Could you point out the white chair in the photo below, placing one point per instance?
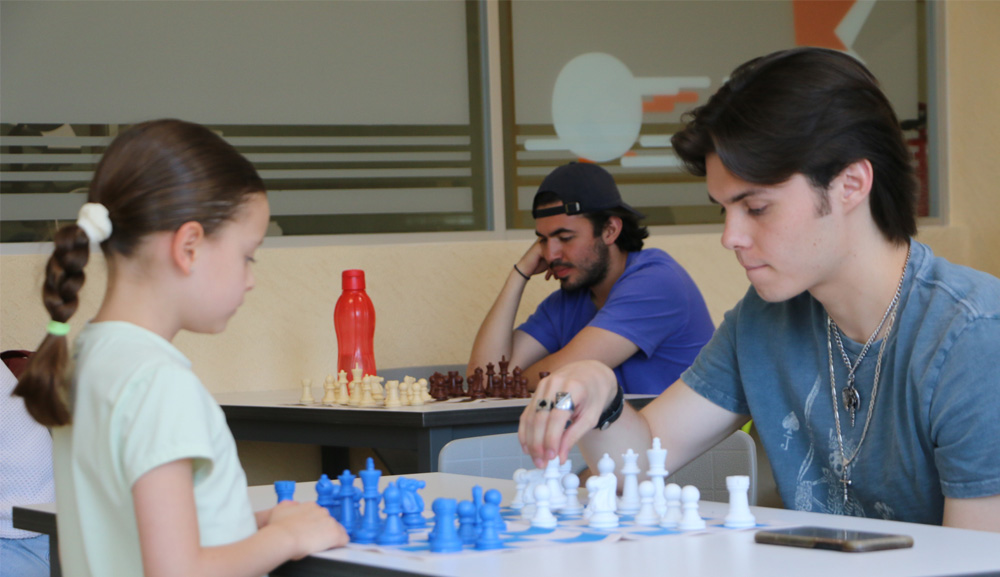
(498, 456)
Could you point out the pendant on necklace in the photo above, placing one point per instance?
(847, 483)
(852, 399)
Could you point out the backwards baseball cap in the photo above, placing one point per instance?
(582, 187)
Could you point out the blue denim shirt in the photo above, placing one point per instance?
(936, 421)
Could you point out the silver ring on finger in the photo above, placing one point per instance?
(563, 402)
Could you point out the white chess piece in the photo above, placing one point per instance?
(657, 458)
(354, 391)
(521, 480)
(647, 511)
(404, 393)
(629, 502)
(672, 495)
(602, 491)
(378, 391)
(691, 520)
(534, 478)
(543, 516)
(425, 390)
(342, 389)
(416, 393)
(739, 516)
(366, 394)
(307, 395)
(330, 391)
(552, 476)
(392, 394)
(571, 488)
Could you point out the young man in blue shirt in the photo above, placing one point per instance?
(871, 367)
(635, 310)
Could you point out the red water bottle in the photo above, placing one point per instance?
(354, 321)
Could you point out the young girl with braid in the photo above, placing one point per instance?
(147, 477)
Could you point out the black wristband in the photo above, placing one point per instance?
(526, 277)
(614, 410)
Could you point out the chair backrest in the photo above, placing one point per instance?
(498, 456)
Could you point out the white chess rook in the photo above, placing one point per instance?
(739, 516)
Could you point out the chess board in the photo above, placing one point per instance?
(521, 535)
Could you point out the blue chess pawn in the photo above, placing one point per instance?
(285, 490)
(393, 531)
(444, 538)
(467, 529)
(489, 538)
(493, 496)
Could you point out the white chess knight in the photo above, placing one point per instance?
(629, 502)
(657, 458)
(690, 519)
(672, 496)
(602, 491)
(739, 516)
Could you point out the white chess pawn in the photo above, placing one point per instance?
(672, 495)
(425, 390)
(366, 394)
(543, 516)
(602, 491)
(416, 393)
(552, 476)
(521, 480)
(307, 395)
(330, 391)
(571, 488)
(404, 393)
(392, 394)
(534, 478)
(657, 458)
(691, 520)
(739, 516)
(647, 511)
(629, 502)
(343, 396)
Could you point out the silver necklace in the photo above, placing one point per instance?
(849, 394)
(831, 326)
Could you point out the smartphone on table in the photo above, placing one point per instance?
(834, 539)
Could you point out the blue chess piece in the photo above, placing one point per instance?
(346, 498)
(393, 531)
(413, 503)
(466, 523)
(489, 538)
(493, 496)
(445, 537)
(285, 490)
(477, 501)
(325, 497)
(370, 521)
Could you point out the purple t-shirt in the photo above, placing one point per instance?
(654, 304)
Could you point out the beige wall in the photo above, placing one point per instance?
(430, 294)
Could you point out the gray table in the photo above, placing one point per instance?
(273, 416)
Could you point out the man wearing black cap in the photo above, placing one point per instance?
(635, 310)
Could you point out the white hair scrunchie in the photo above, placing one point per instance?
(94, 221)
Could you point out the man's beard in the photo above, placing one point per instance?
(593, 272)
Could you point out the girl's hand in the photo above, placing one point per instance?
(311, 527)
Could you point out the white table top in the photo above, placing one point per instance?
(936, 550)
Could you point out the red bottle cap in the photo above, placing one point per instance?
(353, 279)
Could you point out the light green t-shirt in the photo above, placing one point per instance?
(137, 406)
